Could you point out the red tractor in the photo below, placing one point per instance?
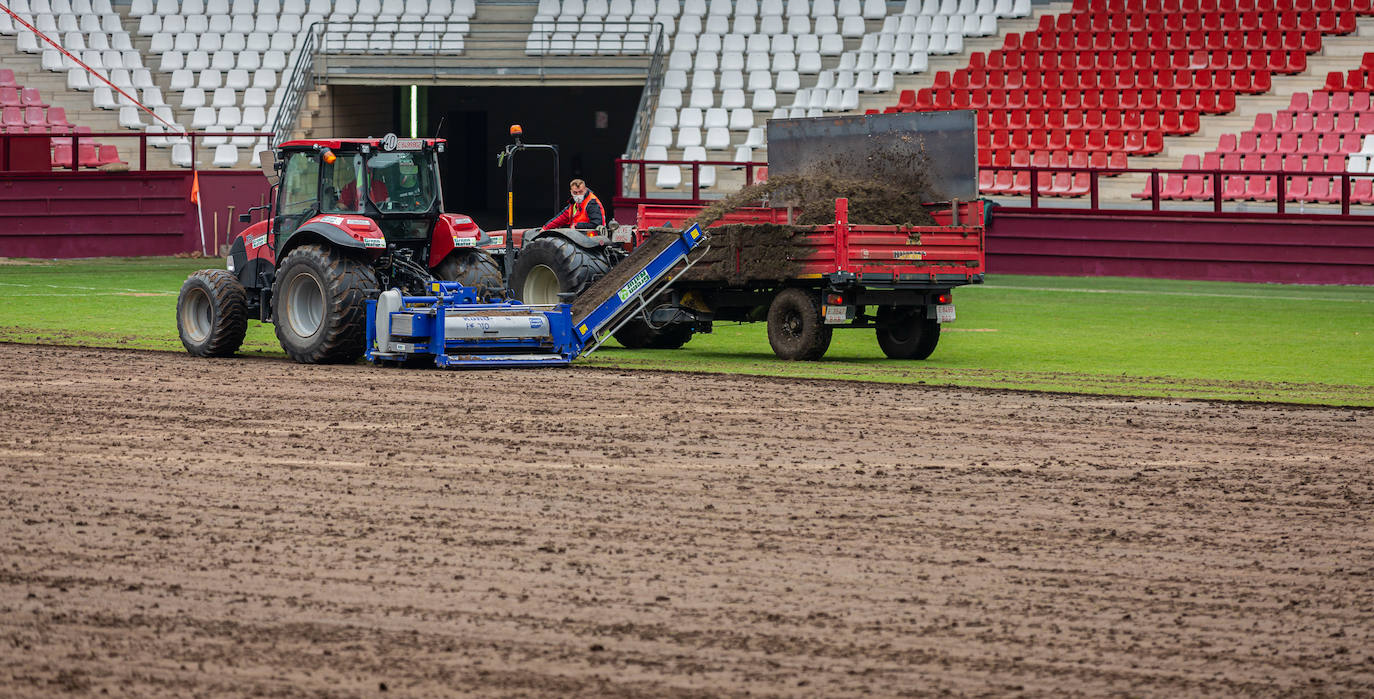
(347, 218)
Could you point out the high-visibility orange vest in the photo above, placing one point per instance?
(579, 209)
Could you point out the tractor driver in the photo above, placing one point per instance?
(584, 212)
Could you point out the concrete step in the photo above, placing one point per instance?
(1339, 53)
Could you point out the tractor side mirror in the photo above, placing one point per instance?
(268, 161)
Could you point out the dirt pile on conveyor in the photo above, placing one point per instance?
(742, 252)
(599, 291)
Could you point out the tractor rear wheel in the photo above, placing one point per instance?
(795, 327)
(212, 313)
(904, 332)
(474, 269)
(551, 265)
(319, 303)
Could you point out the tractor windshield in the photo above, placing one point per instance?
(402, 181)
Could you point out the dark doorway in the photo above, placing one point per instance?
(464, 164)
(590, 125)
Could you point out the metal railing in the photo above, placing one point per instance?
(301, 81)
(632, 184)
(648, 105)
(68, 152)
(440, 53)
(1039, 187)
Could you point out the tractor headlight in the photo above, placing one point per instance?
(229, 263)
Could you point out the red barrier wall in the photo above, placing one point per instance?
(97, 214)
(1263, 249)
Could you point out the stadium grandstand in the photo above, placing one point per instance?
(1165, 106)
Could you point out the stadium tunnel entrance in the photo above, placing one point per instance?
(589, 124)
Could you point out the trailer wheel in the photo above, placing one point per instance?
(474, 269)
(319, 301)
(212, 313)
(551, 265)
(906, 333)
(795, 327)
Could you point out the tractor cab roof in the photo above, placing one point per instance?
(385, 143)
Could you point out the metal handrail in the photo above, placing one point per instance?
(302, 80)
(648, 105)
(446, 48)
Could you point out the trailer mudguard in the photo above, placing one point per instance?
(352, 232)
(574, 236)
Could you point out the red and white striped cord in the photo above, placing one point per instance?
(88, 69)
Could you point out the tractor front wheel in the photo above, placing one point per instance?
(212, 313)
(795, 327)
(319, 302)
(904, 332)
(474, 269)
(551, 265)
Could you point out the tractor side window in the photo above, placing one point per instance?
(402, 181)
(343, 180)
(299, 190)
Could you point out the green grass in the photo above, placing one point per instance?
(1255, 342)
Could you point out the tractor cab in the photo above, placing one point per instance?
(394, 182)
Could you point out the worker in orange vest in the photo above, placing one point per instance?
(584, 212)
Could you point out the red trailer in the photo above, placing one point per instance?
(897, 280)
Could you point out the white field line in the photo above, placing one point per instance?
(1198, 294)
(95, 291)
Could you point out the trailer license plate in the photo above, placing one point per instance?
(944, 313)
(838, 314)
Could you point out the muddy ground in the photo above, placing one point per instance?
(174, 526)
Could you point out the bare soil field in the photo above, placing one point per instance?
(175, 527)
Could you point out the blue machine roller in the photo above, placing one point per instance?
(456, 329)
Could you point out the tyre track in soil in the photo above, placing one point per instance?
(178, 526)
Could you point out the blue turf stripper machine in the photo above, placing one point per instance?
(455, 328)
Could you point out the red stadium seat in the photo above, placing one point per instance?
(9, 97)
(62, 154)
(57, 116)
(1151, 185)
(29, 97)
(1362, 191)
(87, 154)
(12, 118)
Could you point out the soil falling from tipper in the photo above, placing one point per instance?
(890, 186)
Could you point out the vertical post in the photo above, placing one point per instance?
(1345, 194)
(842, 235)
(1034, 188)
(1281, 190)
(509, 262)
(1217, 192)
(643, 180)
(1154, 189)
(696, 182)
